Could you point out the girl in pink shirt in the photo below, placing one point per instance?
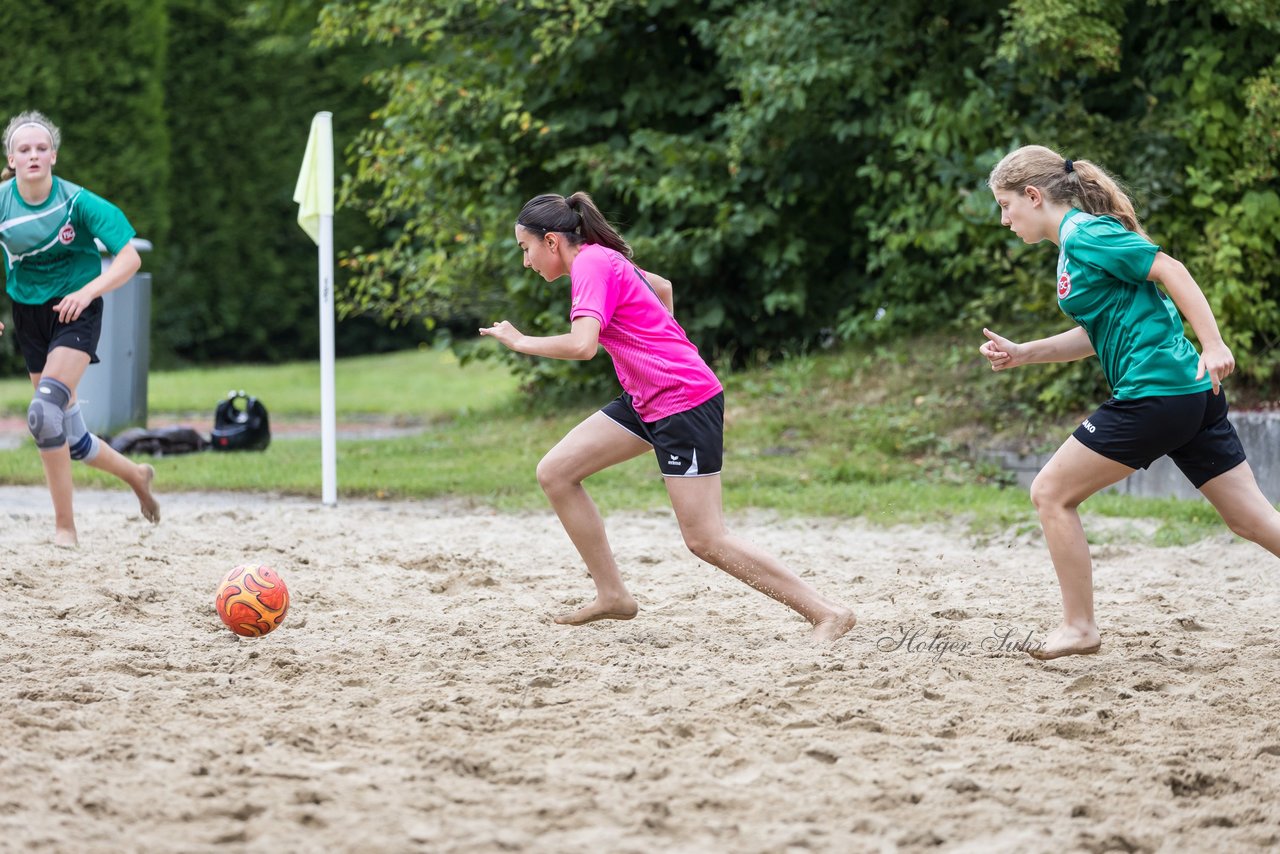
(671, 404)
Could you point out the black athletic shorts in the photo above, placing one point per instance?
(1192, 429)
(687, 444)
(38, 331)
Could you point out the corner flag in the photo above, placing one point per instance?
(314, 195)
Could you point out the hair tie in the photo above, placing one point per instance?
(1071, 167)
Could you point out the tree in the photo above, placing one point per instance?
(809, 167)
(238, 282)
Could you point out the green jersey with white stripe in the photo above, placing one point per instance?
(49, 249)
(1134, 327)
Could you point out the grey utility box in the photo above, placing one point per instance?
(113, 393)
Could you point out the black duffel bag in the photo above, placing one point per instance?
(160, 442)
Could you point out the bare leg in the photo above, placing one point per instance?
(697, 502)
(1244, 508)
(67, 367)
(137, 475)
(594, 445)
(57, 475)
(1072, 475)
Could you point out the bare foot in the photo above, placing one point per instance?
(65, 538)
(1068, 640)
(614, 609)
(835, 626)
(146, 501)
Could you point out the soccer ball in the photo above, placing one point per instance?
(252, 600)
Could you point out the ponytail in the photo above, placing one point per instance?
(595, 228)
(1101, 195)
(1078, 183)
(577, 218)
(6, 173)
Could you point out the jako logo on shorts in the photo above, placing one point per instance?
(1064, 285)
(1086, 425)
(67, 234)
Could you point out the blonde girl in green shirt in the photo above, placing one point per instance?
(54, 276)
(1167, 399)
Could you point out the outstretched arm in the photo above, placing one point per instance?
(1215, 356)
(580, 343)
(1064, 347)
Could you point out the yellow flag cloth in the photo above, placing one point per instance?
(314, 193)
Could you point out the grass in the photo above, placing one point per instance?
(416, 384)
(882, 434)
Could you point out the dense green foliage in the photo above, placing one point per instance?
(810, 168)
(239, 282)
(229, 202)
(804, 170)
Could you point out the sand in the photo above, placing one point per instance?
(418, 698)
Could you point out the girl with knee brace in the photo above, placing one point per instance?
(672, 405)
(56, 281)
(1167, 399)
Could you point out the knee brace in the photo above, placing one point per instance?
(84, 445)
(45, 415)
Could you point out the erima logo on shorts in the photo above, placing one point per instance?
(1088, 426)
(67, 234)
(1064, 285)
(674, 461)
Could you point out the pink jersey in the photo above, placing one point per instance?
(656, 362)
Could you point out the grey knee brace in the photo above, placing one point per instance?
(84, 445)
(45, 415)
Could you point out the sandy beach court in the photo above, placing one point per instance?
(418, 697)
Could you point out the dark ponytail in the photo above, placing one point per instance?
(576, 217)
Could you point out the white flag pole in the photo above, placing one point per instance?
(314, 195)
(328, 416)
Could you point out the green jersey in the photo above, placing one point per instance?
(49, 249)
(1134, 326)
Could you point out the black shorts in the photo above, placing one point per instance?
(1192, 429)
(687, 444)
(38, 331)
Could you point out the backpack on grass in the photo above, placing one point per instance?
(240, 423)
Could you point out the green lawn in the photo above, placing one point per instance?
(412, 384)
(883, 435)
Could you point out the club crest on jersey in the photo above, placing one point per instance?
(1064, 285)
(67, 234)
